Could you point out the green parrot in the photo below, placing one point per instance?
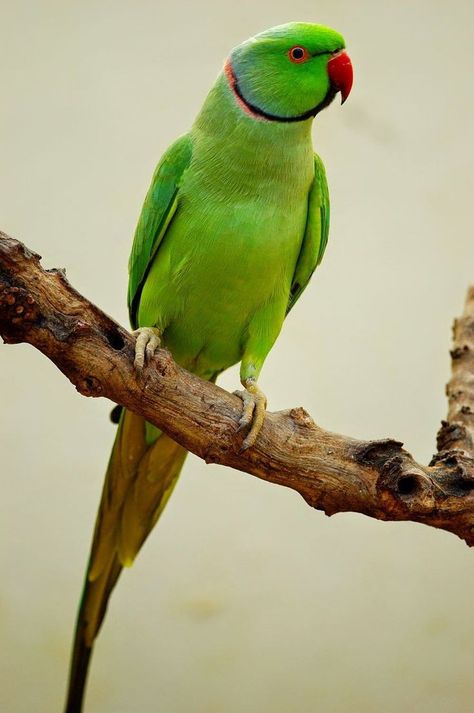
(233, 226)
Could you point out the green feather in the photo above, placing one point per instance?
(316, 233)
(157, 212)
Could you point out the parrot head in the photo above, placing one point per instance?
(290, 72)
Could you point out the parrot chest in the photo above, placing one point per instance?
(244, 230)
(231, 248)
(227, 259)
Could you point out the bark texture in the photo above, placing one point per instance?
(332, 472)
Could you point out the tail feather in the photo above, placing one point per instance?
(139, 480)
(156, 477)
(78, 679)
(87, 627)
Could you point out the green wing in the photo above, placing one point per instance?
(316, 233)
(158, 209)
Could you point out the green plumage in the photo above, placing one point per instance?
(233, 226)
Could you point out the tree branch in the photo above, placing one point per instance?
(332, 472)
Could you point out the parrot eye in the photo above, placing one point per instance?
(298, 54)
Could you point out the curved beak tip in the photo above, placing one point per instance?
(341, 74)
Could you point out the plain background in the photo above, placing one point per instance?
(244, 600)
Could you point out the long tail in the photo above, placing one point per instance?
(141, 475)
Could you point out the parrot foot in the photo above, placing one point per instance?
(253, 412)
(148, 341)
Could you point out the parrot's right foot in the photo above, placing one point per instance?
(253, 412)
(148, 341)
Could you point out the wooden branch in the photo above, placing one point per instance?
(332, 472)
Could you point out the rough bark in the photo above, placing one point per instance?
(333, 473)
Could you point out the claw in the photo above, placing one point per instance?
(253, 412)
(148, 341)
(247, 410)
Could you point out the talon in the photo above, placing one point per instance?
(247, 410)
(253, 412)
(148, 341)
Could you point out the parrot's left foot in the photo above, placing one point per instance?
(253, 413)
(148, 341)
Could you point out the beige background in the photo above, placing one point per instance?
(244, 600)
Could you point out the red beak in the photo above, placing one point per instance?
(341, 74)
